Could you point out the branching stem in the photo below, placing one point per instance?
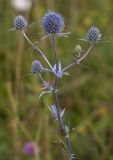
(38, 50)
(80, 59)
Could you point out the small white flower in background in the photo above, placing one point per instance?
(21, 5)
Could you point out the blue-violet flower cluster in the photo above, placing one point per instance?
(20, 23)
(36, 67)
(94, 35)
(53, 23)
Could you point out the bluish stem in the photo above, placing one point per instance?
(56, 100)
(56, 83)
(55, 54)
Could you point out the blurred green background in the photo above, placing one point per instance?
(87, 94)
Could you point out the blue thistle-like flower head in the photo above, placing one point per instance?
(53, 23)
(94, 35)
(20, 22)
(37, 67)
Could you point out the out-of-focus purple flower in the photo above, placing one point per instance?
(53, 23)
(30, 149)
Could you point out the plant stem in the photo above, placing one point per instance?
(56, 83)
(55, 54)
(68, 144)
(87, 52)
(80, 59)
(38, 50)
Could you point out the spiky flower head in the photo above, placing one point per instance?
(37, 67)
(53, 23)
(20, 22)
(94, 35)
(30, 148)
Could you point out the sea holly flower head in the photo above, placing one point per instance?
(37, 67)
(53, 110)
(94, 35)
(20, 23)
(53, 23)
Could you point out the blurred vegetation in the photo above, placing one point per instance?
(87, 94)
